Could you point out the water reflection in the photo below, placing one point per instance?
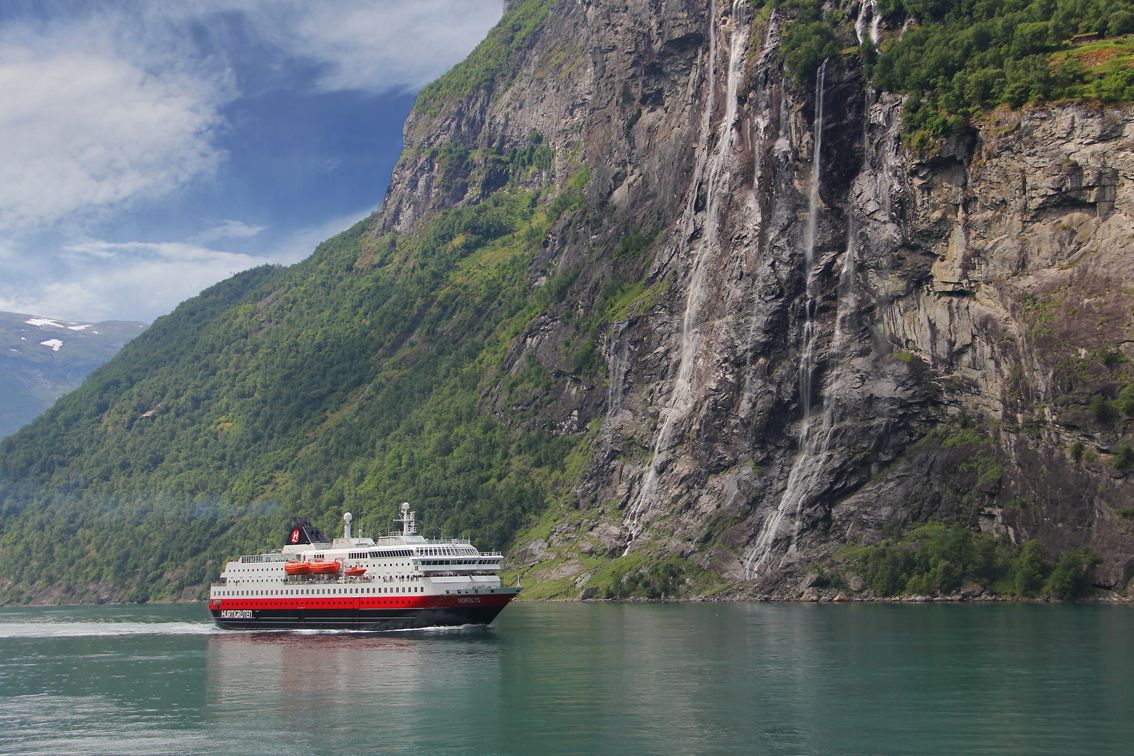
(321, 690)
(569, 678)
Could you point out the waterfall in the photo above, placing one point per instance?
(762, 104)
(807, 361)
(696, 291)
(759, 143)
(803, 468)
(711, 171)
(869, 21)
(848, 301)
(783, 141)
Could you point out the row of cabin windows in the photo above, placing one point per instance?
(387, 554)
(236, 579)
(447, 551)
(451, 562)
(310, 591)
(277, 568)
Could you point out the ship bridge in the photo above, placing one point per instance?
(453, 558)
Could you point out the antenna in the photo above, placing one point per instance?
(407, 520)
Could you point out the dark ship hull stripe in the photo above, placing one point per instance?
(355, 619)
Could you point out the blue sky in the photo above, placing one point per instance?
(150, 148)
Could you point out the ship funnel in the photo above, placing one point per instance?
(302, 531)
(347, 517)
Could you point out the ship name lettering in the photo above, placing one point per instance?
(236, 614)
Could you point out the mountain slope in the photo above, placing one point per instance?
(663, 299)
(41, 359)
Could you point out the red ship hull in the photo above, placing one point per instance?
(360, 613)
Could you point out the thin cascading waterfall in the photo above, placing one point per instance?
(711, 170)
(695, 295)
(806, 475)
(848, 299)
(868, 24)
(761, 126)
(810, 232)
(807, 468)
(783, 141)
(649, 483)
(782, 148)
(792, 498)
(862, 21)
(760, 138)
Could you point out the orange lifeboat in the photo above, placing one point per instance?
(326, 568)
(297, 568)
(355, 571)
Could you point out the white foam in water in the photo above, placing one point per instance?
(101, 629)
(119, 629)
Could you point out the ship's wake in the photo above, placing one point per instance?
(106, 629)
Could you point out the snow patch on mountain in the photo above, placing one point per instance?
(44, 323)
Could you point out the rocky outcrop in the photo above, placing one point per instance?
(827, 320)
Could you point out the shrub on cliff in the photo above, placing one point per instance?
(1070, 579)
(806, 46)
(937, 559)
(959, 59)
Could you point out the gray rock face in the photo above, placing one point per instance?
(837, 337)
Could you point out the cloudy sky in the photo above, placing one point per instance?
(149, 148)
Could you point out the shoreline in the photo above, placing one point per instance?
(1110, 599)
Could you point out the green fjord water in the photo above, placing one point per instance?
(619, 678)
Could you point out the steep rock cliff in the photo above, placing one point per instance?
(835, 337)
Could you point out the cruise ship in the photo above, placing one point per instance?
(401, 581)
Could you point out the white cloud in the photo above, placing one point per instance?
(135, 280)
(303, 242)
(174, 252)
(230, 229)
(109, 104)
(83, 130)
(115, 104)
(368, 45)
(99, 280)
(393, 45)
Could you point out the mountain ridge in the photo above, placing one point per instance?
(43, 358)
(660, 318)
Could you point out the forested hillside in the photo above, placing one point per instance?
(351, 381)
(632, 261)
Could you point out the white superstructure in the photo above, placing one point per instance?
(362, 576)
